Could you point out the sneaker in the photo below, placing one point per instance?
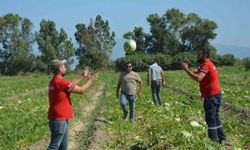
(125, 115)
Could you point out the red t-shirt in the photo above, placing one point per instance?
(209, 85)
(60, 107)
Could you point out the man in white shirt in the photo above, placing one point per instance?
(156, 76)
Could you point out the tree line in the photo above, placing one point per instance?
(174, 36)
(94, 44)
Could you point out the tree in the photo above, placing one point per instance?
(174, 31)
(174, 20)
(197, 32)
(53, 44)
(173, 34)
(163, 40)
(95, 43)
(16, 39)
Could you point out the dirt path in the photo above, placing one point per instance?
(100, 136)
(77, 127)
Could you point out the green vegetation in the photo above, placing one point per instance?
(53, 44)
(167, 62)
(227, 60)
(17, 86)
(234, 83)
(173, 32)
(173, 36)
(178, 124)
(247, 63)
(16, 40)
(23, 110)
(95, 43)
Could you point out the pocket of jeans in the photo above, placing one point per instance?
(208, 103)
(59, 126)
(216, 100)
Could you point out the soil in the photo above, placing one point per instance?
(77, 127)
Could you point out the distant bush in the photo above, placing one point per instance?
(22, 63)
(247, 63)
(141, 62)
(227, 60)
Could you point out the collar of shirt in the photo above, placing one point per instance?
(155, 64)
(58, 76)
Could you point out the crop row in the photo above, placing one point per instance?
(235, 84)
(24, 118)
(178, 124)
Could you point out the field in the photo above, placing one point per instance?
(178, 124)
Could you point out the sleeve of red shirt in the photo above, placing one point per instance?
(204, 68)
(66, 85)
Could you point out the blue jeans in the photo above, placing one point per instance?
(215, 129)
(59, 134)
(131, 101)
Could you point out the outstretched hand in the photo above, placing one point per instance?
(185, 65)
(85, 71)
(93, 77)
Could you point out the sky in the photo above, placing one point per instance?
(231, 16)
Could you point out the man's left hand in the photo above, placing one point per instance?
(85, 72)
(140, 94)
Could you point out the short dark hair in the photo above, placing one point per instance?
(205, 52)
(128, 63)
(156, 60)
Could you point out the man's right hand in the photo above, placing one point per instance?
(85, 72)
(93, 77)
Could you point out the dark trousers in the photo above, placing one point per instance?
(155, 88)
(211, 107)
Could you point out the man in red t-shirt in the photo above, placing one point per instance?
(60, 107)
(207, 76)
